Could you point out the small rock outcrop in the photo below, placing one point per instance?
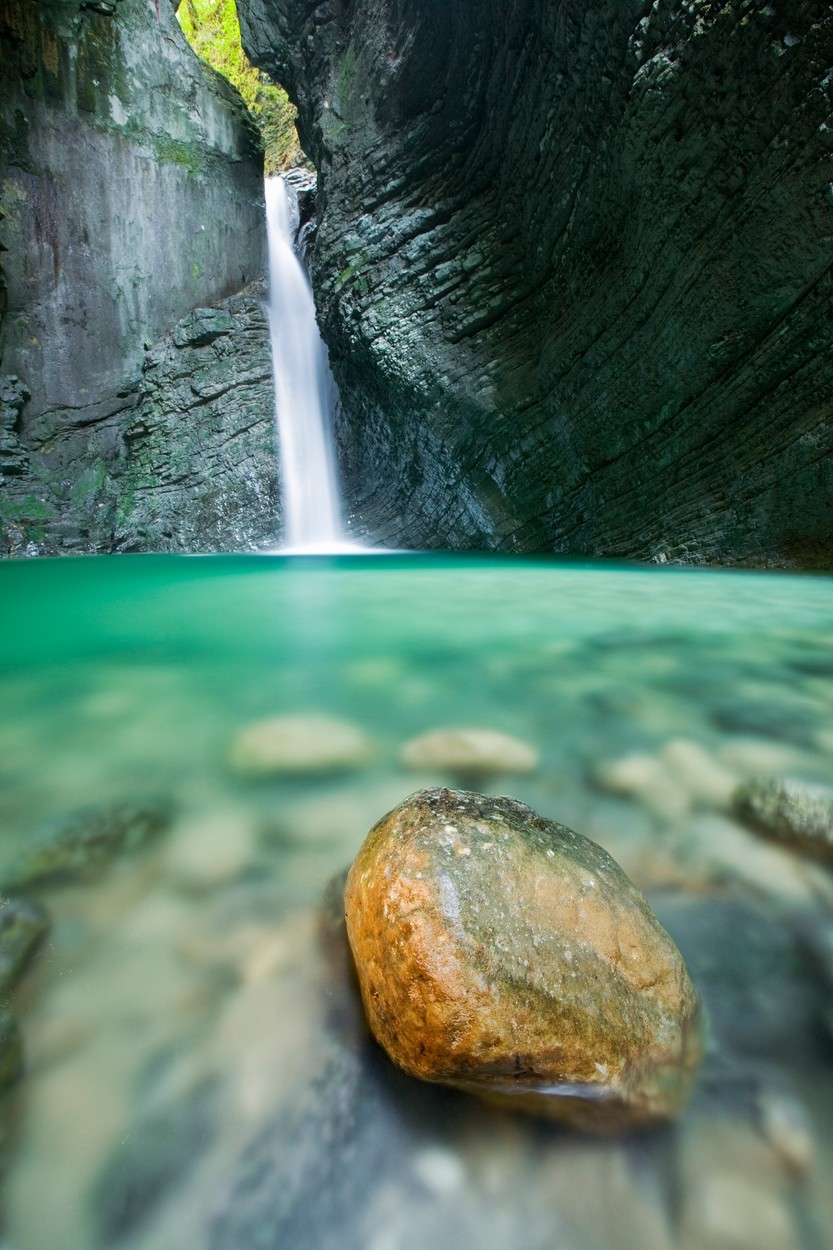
(199, 472)
(84, 842)
(298, 745)
(792, 813)
(508, 956)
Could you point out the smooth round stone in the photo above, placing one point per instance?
(211, 850)
(797, 815)
(470, 752)
(299, 745)
(507, 955)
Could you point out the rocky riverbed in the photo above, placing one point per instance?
(196, 1063)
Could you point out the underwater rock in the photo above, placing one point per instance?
(470, 753)
(23, 925)
(297, 745)
(508, 956)
(795, 814)
(85, 841)
(11, 1050)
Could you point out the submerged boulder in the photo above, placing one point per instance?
(287, 745)
(23, 926)
(11, 1050)
(83, 842)
(470, 753)
(507, 955)
(793, 813)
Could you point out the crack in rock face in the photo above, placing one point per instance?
(573, 268)
(507, 955)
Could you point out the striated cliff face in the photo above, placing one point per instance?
(574, 267)
(131, 193)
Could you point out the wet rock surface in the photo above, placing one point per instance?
(505, 954)
(81, 844)
(573, 269)
(793, 813)
(200, 466)
(11, 1050)
(23, 926)
(132, 193)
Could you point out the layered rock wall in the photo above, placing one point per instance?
(131, 193)
(574, 268)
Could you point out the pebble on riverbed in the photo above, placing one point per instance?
(508, 956)
(795, 814)
(474, 753)
(299, 745)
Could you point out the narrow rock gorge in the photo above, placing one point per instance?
(573, 267)
(131, 195)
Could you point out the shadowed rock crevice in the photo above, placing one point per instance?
(573, 267)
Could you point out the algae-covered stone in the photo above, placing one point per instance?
(470, 752)
(85, 841)
(507, 955)
(23, 925)
(298, 745)
(11, 1050)
(795, 814)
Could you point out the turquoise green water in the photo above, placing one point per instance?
(180, 1010)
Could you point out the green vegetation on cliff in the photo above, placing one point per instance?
(213, 31)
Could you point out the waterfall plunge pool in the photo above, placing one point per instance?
(196, 1071)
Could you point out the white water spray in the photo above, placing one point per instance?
(304, 389)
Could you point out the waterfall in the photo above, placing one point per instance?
(305, 392)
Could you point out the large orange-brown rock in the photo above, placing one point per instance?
(506, 955)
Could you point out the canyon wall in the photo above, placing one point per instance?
(131, 193)
(573, 267)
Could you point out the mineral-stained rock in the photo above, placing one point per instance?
(23, 925)
(506, 955)
(84, 842)
(297, 745)
(794, 813)
(470, 752)
(573, 267)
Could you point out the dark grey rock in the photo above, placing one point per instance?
(797, 815)
(84, 842)
(14, 459)
(11, 1050)
(202, 327)
(132, 194)
(573, 268)
(23, 926)
(200, 468)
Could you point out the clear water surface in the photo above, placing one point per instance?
(197, 1074)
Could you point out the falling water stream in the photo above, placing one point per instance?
(305, 392)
